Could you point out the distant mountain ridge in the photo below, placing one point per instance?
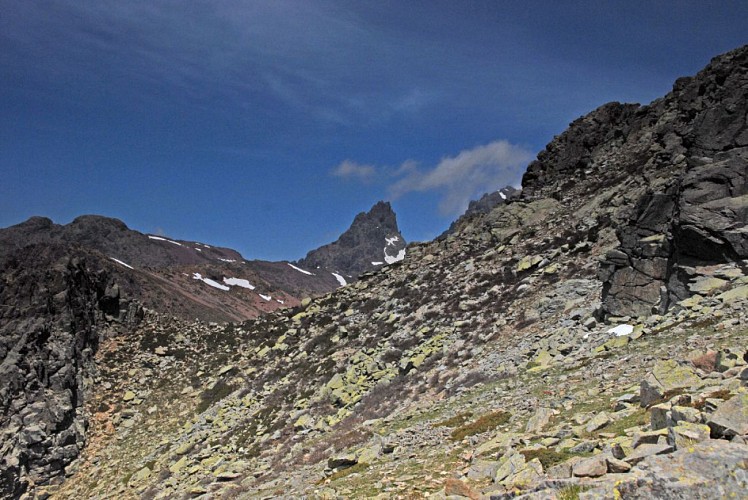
(193, 279)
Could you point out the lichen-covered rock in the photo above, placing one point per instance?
(667, 377)
(731, 417)
(686, 434)
(591, 467)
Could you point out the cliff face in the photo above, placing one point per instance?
(683, 161)
(52, 308)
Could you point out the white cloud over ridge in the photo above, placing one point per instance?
(458, 179)
(350, 169)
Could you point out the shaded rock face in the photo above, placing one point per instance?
(687, 154)
(48, 337)
(700, 219)
(372, 241)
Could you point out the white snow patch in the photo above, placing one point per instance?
(377, 263)
(226, 260)
(120, 262)
(238, 282)
(340, 279)
(503, 196)
(199, 249)
(159, 238)
(265, 297)
(301, 270)
(280, 301)
(392, 241)
(397, 258)
(621, 330)
(210, 282)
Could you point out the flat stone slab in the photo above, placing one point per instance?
(647, 450)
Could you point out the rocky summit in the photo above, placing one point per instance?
(372, 241)
(587, 339)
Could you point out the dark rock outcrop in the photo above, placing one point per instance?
(372, 240)
(52, 306)
(687, 154)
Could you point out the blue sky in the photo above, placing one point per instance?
(267, 125)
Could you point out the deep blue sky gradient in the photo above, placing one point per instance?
(224, 121)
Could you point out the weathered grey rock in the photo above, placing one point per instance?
(686, 434)
(591, 467)
(667, 378)
(646, 450)
(482, 469)
(731, 417)
(616, 466)
(539, 420)
(713, 468)
(598, 422)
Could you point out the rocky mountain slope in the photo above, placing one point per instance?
(372, 241)
(195, 280)
(523, 355)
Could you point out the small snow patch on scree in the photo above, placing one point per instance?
(238, 282)
(226, 260)
(340, 279)
(621, 330)
(158, 238)
(503, 196)
(377, 263)
(301, 270)
(208, 281)
(265, 297)
(120, 262)
(392, 241)
(389, 259)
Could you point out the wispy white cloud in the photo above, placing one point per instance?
(463, 177)
(349, 169)
(458, 179)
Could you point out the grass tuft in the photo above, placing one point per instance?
(482, 424)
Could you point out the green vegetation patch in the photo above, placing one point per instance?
(484, 423)
(455, 421)
(571, 492)
(619, 427)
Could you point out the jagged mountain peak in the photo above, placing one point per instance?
(372, 240)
